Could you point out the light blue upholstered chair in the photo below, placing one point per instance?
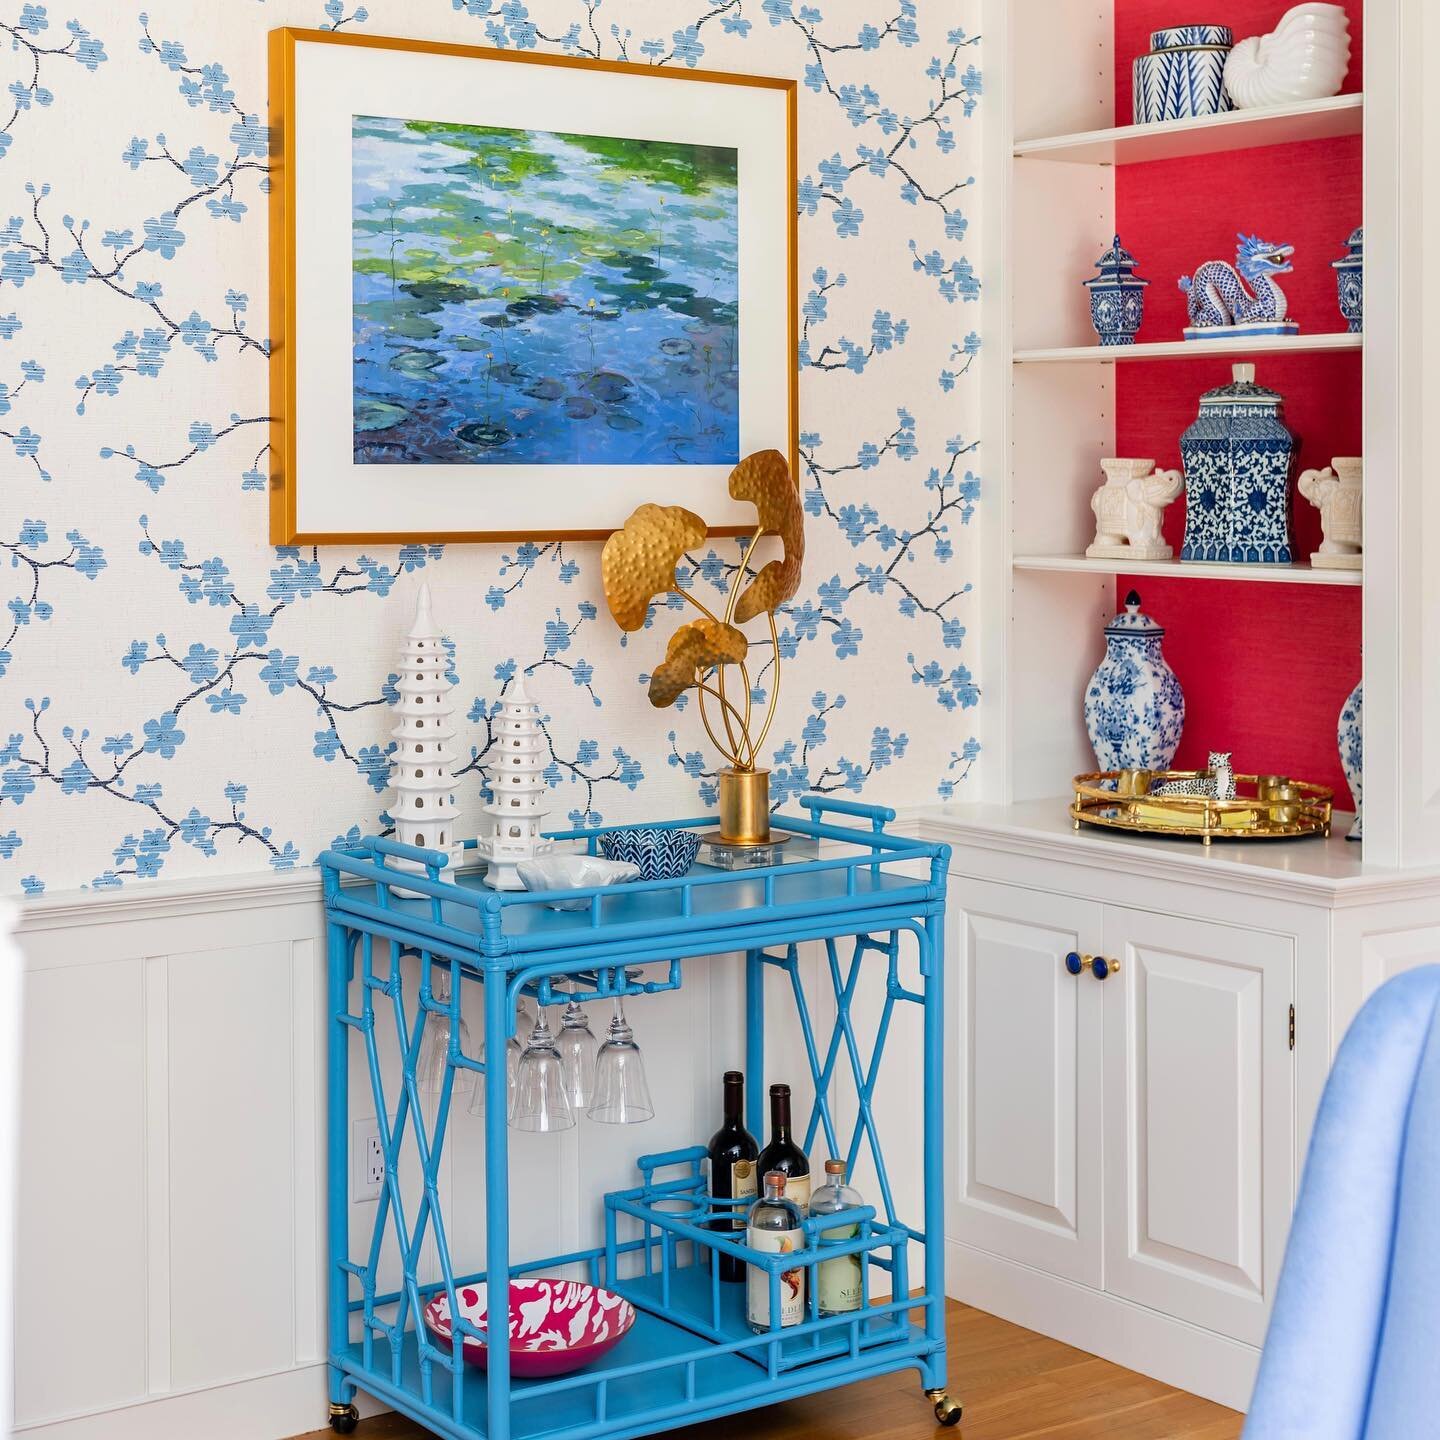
(1353, 1351)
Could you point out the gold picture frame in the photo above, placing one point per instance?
(288, 353)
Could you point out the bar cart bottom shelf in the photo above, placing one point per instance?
(704, 1381)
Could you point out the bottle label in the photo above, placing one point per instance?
(797, 1188)
(840, 1281)
(744, 1185)
(757, 1282)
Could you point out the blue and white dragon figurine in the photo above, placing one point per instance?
(1218, 298)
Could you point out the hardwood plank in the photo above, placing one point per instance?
(1015, 1385)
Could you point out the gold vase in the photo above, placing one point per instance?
(744, 807)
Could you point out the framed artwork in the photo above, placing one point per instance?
(515, 295)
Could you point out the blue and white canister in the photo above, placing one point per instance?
(1117, 296)
(1134, 707)
(1237, 456)
(1350, 280)
(1350, 735)
(1183, 76)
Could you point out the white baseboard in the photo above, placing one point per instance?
(292, 1402)
(1157, 1345)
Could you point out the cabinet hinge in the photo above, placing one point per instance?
(1292, 1027)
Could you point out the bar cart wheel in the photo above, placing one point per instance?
(947, 1411)
(344, 1419)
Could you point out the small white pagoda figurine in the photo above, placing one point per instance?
(424, 808)
(511, 831)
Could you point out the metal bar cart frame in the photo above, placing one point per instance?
(690, 1355)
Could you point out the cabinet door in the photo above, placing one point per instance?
(1199, 1117)
(1026, 1078)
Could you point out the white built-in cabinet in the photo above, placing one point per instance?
(1124, 1153)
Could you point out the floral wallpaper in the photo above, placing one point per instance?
(179, 698)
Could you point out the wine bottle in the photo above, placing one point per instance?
(782, 1153)
(838, 1281)
(773, 1227)
(733, 1174)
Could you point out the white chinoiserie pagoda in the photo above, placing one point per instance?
(511, 830)
(424, 808)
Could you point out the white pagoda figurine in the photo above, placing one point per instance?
(511, 829)
(424, 808)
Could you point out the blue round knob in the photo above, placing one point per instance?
(1072, 963)
(1099, 967)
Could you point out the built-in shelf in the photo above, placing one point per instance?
(1208, 135)
(1190, 349)
(1302, 574)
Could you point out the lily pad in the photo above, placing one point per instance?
(580, 407)
(377, 414)
(545, 388)
(619, 420)
(489, 434)
(416, 362)
(608, 387)
(676, 345)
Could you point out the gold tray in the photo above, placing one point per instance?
(1265, 807)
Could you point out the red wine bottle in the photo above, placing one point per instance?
(782, 1153)
(733, 1175)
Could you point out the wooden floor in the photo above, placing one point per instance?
(1014, 1384)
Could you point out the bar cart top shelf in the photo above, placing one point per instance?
(868, 868)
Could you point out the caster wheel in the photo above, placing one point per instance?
(947, 1411)
(344, 1419)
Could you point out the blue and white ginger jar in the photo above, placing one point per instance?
(1350, 734)
(1117, 296)
(1350, 280)
(1237, 456)
(1134, 707)
(1184, 74)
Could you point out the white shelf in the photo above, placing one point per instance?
(1208, 135)
(1301, 574)
(1191, 349)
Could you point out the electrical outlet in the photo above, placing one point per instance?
(367, 1161)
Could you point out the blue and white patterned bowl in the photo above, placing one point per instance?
(660, 854)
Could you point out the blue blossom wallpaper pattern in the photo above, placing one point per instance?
(179, 698)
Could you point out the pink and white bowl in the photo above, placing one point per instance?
(556, 1326)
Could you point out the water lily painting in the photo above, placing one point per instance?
(563, 285)
(524, 295)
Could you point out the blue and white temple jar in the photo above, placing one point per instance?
(1117, 296)
(1350, 734)
(1134, 707)
(1237, 456)
(1350, 280)
(1184, 74)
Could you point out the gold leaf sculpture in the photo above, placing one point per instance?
(639, 563)
(764, 480)
(693, 651)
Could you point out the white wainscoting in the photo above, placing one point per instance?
(170, 1213)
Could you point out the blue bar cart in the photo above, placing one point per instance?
(691, 1354)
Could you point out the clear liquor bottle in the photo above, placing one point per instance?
(773, 1228)
(840, 1281)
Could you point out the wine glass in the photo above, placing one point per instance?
(622, 1096)
(576, 1044)
(539, 1101)
(514, 1048)
(434, 1057)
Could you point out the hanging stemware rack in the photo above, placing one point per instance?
(393, 932)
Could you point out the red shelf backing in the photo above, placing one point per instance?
(1265, 668)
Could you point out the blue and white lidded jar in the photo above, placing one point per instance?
(1237, 456)
(1134, 707)
(1350, 734)
(1117, 296)
(1184, 74)
(1350, 280)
